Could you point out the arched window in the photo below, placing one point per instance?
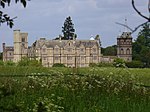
(128, 51)
(122, 51)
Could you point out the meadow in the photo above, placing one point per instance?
(93, 89)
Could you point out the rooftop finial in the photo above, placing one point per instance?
(125, 28)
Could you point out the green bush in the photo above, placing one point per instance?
(1, 63)
(58, 65)
(101, 65)
(24, 62)
(135, 64)
(27, 62)
(35, 63)
(105, 65)
(118, 62)
(93, 65)
(9, 63)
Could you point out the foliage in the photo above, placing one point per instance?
(110, 51)
(105, 65)
(9, 63)
(118, 62)
(1, 56)
(49, 89)
(93, 65)
(134, 64)
(1, 63)
(27, 62)
(58, 65)
(5, 18)
(101, 65)
(141, 46)
(68, 29)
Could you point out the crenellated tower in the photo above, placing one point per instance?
(20, 45)
(124, 46)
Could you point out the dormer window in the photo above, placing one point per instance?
(69, 49)
(56, 49)
(44, 50)
(94, 50)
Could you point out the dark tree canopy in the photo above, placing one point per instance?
(5, 18)
(68, 29)
(141, 46)
(110, 51)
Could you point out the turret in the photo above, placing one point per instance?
(20, 45)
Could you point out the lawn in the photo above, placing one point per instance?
(33, 89)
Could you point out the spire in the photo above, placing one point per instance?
(125, 28)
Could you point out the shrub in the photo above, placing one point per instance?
(93, 65)
(1, 63)
(24, 62)
(27, 62)
(118, 62)
(135, 64)
(9, 63)
(105, 65)
(35, 63)
(58, 65)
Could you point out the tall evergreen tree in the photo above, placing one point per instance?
(68, 29)
(141, 46)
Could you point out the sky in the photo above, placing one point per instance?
(45, 18)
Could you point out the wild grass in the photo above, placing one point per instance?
(38, 89)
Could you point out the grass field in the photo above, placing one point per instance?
(32, 89)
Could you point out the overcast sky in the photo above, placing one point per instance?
(45, 18)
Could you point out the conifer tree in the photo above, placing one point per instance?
(68, 29)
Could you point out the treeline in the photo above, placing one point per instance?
(141, 49)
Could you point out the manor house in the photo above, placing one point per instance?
(71, 53)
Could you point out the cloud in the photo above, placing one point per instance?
(90, 17)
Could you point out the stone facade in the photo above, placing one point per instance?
(20, 48)
(124, 46)
(8, 53)
(20, 45)
(71, 53)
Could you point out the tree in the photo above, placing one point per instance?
(5, 18)
(147, 18)
(110, 51)
(68, 29)
(141, 46)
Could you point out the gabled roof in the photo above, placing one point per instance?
(63, 43)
